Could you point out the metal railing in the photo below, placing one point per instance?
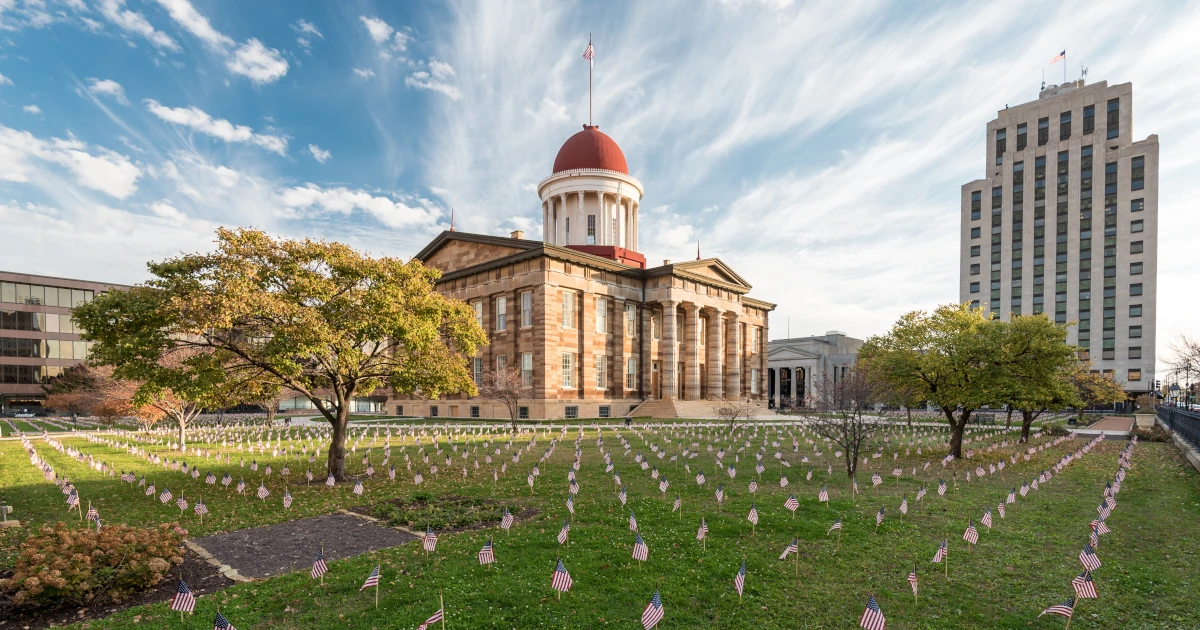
(1184, 423)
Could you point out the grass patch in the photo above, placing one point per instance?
(441, 513)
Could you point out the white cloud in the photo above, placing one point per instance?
(341, 200)
(319, 154)
(165, 210)
(425, 81)
(136, 23)
(190, 19)
(257, 62)
(306, 28)
(364, 73)
(380, 31)
(108, 87)
(440, 69)
(24, 159)
(201, 121)
(32, 109)
(5, 80)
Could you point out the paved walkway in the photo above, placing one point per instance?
(1112, 423)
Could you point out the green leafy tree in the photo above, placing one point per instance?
(1039, 359)
(1092, 388)
(316, 317)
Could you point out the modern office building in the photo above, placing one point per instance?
(1082, 247)
(37, 335)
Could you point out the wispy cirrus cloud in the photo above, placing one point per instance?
(199, 120)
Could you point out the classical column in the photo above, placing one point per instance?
(559, 231)
(715, 351)
(634, 228)
(669, 350)
(761, 351)
(545, 223)
(581, 221)
(691, 352)
(645, 339)
(778, 382)
(617, 326)
(733, 374)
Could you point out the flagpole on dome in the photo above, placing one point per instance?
(589, 54)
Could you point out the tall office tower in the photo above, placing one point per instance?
(1083, 247)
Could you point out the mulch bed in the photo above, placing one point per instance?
(521, 515)
(200, 576)
(276, 549)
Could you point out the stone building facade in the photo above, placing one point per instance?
(797, 365)
(594, 332)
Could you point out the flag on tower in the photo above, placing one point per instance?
(589, 53)
(1057, 58)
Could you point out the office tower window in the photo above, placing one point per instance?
(631, 373)
(975, 204)
(1135, 332)
(975, 269)
(974, 250)
(1135, 310)
(1135, 352)
(501, 314)
(1136, 205)
(974, 304)
(591, 229)
(1135, 289)
(1043, 131)
(1137, 175)
(997, 198)
(478, 306)
(1135, 269)
(568, 309)
(1114, 118)
(1063, 174)
(974, 287)
(630, 320)
(568, 370)
(1064, 125)
(1089, 119)
(1134, 375)
(1001, 143)
(526, 309)
(974, 232)
(1039, 179)
(527, 369)
(1137, 226)
(601, 315)
(601, 371)
(1021, 136)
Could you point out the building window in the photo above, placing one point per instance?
(572, 412)
(974, 232)
(527, 309)
(474, 411)
(1001, 144)
(1089, 119)
(601, 315)
(1114, 118)
(1137, 226)
(1064, 125)
(1135, 352)
(656, 325)
(477, 370)
(1022, 136)
(974, 304)
(399, 410)
(1137, 205)
(527, 369)
(631, 373)
(433, 411)
(568, 370)
(1135, 310)
(523, 413)
(501, 363)
(568, 309)
(605, 411)
(975, 269)
(1134, 375)
(1135, 332)
(1136, 247)
(591, 233)
(478, 306)
(1135, 269)
(976, 203)
(1135, 289)
(501, 314)
(974, 287)
(1043, 131)
(753, 380)
(630, 320)
(974, 250)
(601, 372)
(1137, 175)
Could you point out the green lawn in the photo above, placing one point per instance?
(1021, 566)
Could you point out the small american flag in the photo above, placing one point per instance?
(1057, 58)
(287, 499)
(653, 613)
(836, 525)
(632, 521)
(319, 567)
(678, 503)
(753, 486)
(1065, 609)
(872, 617)
(436, 617)
(221, 623)
(791, 503)
(241, 487)
(92, 514)
(183, 599)
(783, 481)
(663, 485)
(562, 533)
(794, 547)
(1012, 496)
(487, 555)
(739, 582)
(506, 522)
(262, 491)
(430, 543)
(921, 493)
(210, 479)
(904, 505)
(181, 503)
(392, 472)
(1104, 509)
(622, 496)
(1088, 558)
(1024, 489)
(1085, 588)
(165, 496)
(941, 487)
(358, 487)
(759, 468)
(912, 579)
(700, 478)
(1000, 509)
(823, 495)
(808, 477)
(876, 479)
(753, 515)
(941, 554)
(372, 580)
(854, 484)
(200, 509)
(720, 493)
(879, 517)
(703, 531)
(561, 580)
(640, 550)
(987, 518)
(971, 535)
(1099, 526)
(226, 480)
(418, 478)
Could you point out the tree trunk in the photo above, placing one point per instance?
(908, 411)
(1026, 421)
(851, 460)
(271, 411)
(337, 445)
(182, 431)
(956, 429)
(1008, 422)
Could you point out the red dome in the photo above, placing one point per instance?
(590, 149)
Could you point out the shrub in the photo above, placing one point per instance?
(64, 565)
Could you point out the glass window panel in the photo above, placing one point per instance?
(80, 350)
(8, 292)
(52, 322)
(22, 294)
(52, 349)
(37, 294)
(76, 297)
(67, 350)
(51, 296)
(64, 298)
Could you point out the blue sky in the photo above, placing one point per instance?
(818, 148)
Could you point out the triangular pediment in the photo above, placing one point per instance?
(452, 251)
(790, 354)
(712, 268)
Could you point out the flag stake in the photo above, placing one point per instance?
(442, 605)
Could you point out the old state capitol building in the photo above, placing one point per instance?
(593, 330)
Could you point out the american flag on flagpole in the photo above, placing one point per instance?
(912, 579)
(879, 517)
(753, 515)
(589, 53)
(678, 503)
(183, 599)
(1057, 58)
(791, 503)
(872, 617)
(561, 580)
(971, 535)
(653, 612)
(372, 580)
(200, 509)
(632, 521)
(703, 531)
(507, 521)
(165, 496)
